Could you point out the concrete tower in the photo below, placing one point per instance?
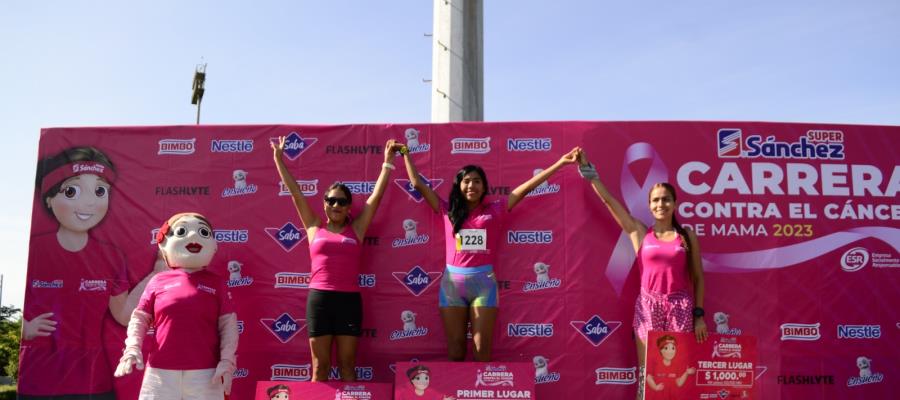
(457, 61)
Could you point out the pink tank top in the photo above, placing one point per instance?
(663, 265)
(335, 259)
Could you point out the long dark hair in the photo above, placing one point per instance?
(678, 228)
(342, 187)
(67, 156)
(459, 210)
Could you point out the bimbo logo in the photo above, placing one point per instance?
(529, 330)
(291, 372)
(294, 145)
(802, 332)
(529, 144)
(615, 376)
(854, 259)
(859, 331)
(595, 329)
(417, 280)
(529, 237)
(177, 146)
(231, 146)
(292, 280)
(360, 187)
(307, 188)
(816, 144)
(470, 145)
(287, 236)
(284, 328)
(411, 191)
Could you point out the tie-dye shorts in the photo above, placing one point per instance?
(469, 287)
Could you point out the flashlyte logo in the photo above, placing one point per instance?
(529, 144)
(284, 327)
(411, 191)
(816, 144)
(859, 331)
(854, 259)
(529, 330)
(529, 237)
(595, 329)
(417, 280)
(287, 236)
(294, 145)
(307, 187)
(615, 376)
(291, 372)
(292, 280)
(802, 332)
(177, 146)
(470, 145)
(231, 146)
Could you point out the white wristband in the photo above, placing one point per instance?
(388, 166)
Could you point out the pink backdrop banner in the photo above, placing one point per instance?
(799, 226)
(463, 381)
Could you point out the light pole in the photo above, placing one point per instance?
(199, 80)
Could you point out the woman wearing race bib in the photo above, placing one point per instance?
(334, 304)
(472, 231)
(668, 256)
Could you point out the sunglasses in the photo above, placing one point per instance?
(340, 201)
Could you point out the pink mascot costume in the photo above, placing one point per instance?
(190, 310)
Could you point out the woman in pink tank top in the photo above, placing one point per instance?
(668, 256)
(334, 304)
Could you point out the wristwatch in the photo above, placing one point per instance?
(698, 312)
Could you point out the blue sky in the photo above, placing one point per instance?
(104, 63)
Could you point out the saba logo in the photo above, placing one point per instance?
(287, 236)
(412, 192)
(285, 327)
(294, 145)
(730, 142)
(595, 329)
(417, 280)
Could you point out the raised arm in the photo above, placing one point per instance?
(519, 192)
(696, 270)
(430, 196)
(361, 224)
(626, 221)
(307, 216)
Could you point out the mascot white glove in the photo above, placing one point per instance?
(137, 328)
(228, 343)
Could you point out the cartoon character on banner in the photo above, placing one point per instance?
(193, 316)
(665, 376)
(74, 278)
(418, 389)
(279, 392)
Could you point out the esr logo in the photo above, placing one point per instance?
(854, 259)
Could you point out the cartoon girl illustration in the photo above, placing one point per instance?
(73, 279)
(419, 380)
(279, 392)
(663, 377)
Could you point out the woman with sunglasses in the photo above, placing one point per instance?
(334, 304)
(472, 232)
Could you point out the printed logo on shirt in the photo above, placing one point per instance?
(544, 188)
(470, 145)
(414, 141)
(866, 374)
(859, 331)
(178, 147)
(801, 332)
(542, 373)
(417, 280)
(292, 280)
(542, 279)
(410, 329)
(529, 144)
(411, 237)
(307, 187)
(595, 329)
(411, 191)
(54, 284)
(241, 187)
(288, 236)
(362, 374)
(231, 146)
(615, 376)
(92, 285)
(722, 327)
(285, 327)
(360, 187)
(295, 145)
(291, 372)
(207, 289)
(171, 285)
